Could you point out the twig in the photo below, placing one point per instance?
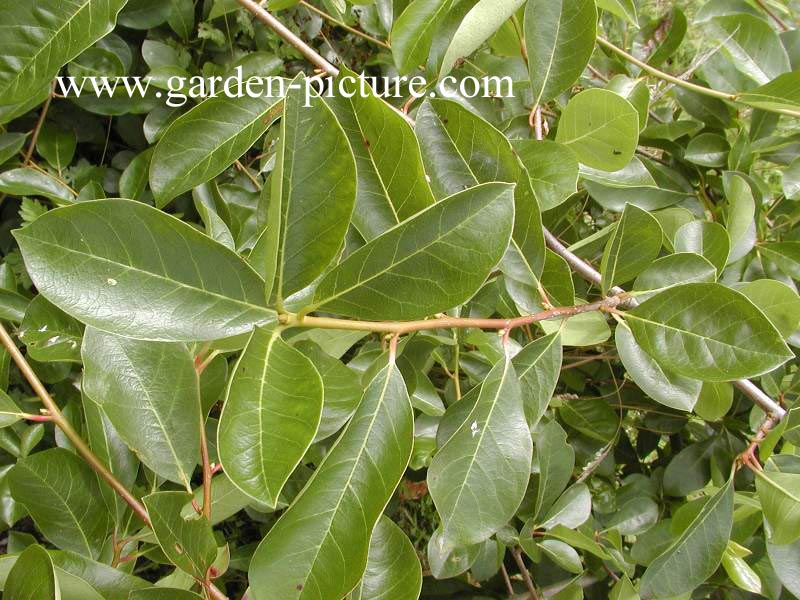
(579, 266)
(66, 427)
(405, 327)
(682, 83)
(207, 471)
(526, 575)
(773, 15)
(289, 37)
(38, 129)
(80, 446)
(507, 580)
(345, 26)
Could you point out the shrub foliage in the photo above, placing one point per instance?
(528, 345)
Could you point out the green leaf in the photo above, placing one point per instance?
(494, 438)
(782, 93)
(592, 417)
(61, 493)
(10, 413)
(32, 577)
(777, 300)
(601, 127)
(463, 150)
(341, 386)
(160, 593)
(150, 394)
(555, 460)
(50, 334)
(707, 239)
(413, 31)
(696, 553)
(623, 590)
(752, 46)
(779, 494)
(151, 273)
(112, 451)
(625, 9)
(393, 569)
(271, 415)
(669, 46)
(675, 269)
(478, 25)
(445, 564)
(708, 332)
(455, 243)
(11, 144)
(790, 183)
(57, 145)
(187, 542)
(636, 92)
(664, 387)
(708, 150)
(538, 366)
(786, 255)
(715, 401)
(29, 182)
(41, 38)
(689, 470)
(552, 170)
(571, 510)
(785, 560)
(202, 143)
(312, 197)
(741, 573)
(319, 547)
(634, 245)
(389, 191)
(560, 38)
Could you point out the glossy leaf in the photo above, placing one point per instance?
(480, 22)
(41, 38)
(205, 141)
(493, 439)
(150, 394)
(560, 38)
(319, 547)
(779, 494)
(393, 569)
(634, 245)
(49, 333)
(32, 577)
(696, 553)
(312, 197)
(389, 190)
(413, 31)
(463, 150)
(91, 262)
(708, 332)
(551, 168)
(458, 240)
(61, 493)
(601, 127)
(662, 386)
(271, 415)
(186, 541)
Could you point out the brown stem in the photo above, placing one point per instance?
(38, 129)
(345, 26)
(66, 427)
(207, 473)
(80, 446)
(773, 15)
(289, 36)
(680, 82)
(405, 327)
(526, 575)
(507, 580)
